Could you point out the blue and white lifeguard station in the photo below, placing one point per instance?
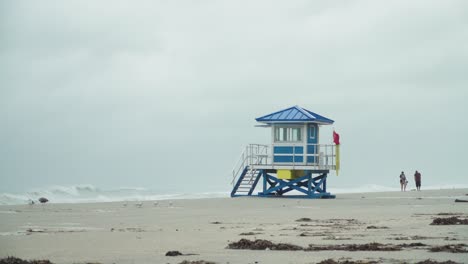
(294, 164)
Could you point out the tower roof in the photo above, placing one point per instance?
(295, 114)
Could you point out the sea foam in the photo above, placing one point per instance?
(92, 194)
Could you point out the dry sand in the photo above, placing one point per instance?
(127, 233)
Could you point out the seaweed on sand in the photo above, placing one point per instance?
(355, 247)
(332, 261)
(456, 248)
(197, 262)
(450, 221)
(261, 244)
(430, 261)
(14, 260)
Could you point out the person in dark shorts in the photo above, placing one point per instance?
(417, 180)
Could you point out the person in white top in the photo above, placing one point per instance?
(403, 182)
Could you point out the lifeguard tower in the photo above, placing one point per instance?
(294, 164)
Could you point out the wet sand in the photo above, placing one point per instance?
(202, 229)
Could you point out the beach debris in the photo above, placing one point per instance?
(128, 229)
(173, 253)
(461, 201)
(197, 262)
(14, 260)
(430, 261)
(410, 245)
(249, 234)
(216, 223)
(355, 247)
(332, 261)
(414, 238)
(140, 204)
(305, 234)
(304, 219)
(30, 230)
(155, 203)
(31, 202)
(449, 221)
(377, 227)
(261, 244)
(455, 248)
(331, 237)
(43, 200)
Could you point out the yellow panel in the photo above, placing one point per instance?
(289, 174)
(285, 174)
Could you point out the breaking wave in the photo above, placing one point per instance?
(92, 194)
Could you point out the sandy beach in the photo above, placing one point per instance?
(202, 229)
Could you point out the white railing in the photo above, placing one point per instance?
(258, 154)
(252, 154)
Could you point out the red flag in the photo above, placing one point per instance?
(336, 138)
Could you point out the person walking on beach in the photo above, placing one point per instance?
(417, 180)
(403, 181)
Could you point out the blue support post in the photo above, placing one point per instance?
(260, 173)
(308, 185)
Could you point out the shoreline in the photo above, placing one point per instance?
(143, 232)
(216, 195)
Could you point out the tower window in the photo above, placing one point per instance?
(288, 134)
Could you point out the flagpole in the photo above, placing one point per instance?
(337, 159)
(336, 140)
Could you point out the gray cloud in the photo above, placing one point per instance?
(150, 93)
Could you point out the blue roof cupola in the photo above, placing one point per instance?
(295, 114)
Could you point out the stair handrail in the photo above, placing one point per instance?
(239, 165)
(250, 153)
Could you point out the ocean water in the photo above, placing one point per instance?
(92, 194)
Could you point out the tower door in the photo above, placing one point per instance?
(312, 139)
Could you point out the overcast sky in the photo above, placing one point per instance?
(163, 94)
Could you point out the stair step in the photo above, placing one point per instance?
(247, 181)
